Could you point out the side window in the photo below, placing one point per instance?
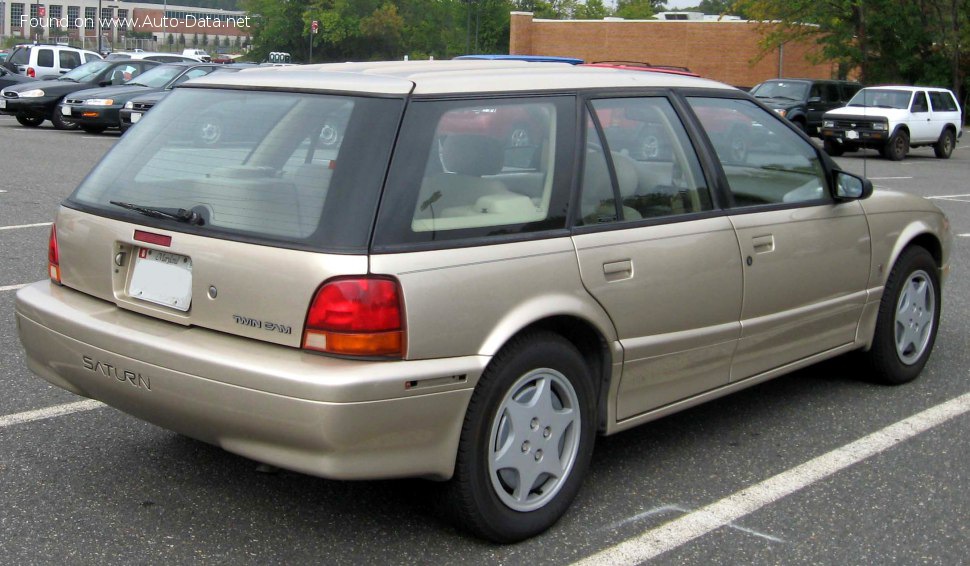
(815, 91)
(488, 165)
(831, 93)
(778, 165)
(45, 57)
(647, 161)
(919, 103)
(942, 101)
(69, 59)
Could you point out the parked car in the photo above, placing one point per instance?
(44, 61)
(804, 101)
(96, 110)
(34, 102)
(199, 54)
(135, 109)
(8, 78)
(894, 119)
(154, 56)
(410, 302)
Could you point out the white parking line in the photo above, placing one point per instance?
(19, 226)
(50, 412)
(887, 178)
(13, 287)
(949, 196)
(963, 235)
(679, 532)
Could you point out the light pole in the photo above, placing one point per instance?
(98, 26)
(165, 22)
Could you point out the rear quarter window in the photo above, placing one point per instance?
(942, 101)
(45, 58)
(473, 169)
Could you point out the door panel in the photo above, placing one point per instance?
(806, 294)
(676, 311)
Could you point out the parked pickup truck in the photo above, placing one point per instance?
(893, 119)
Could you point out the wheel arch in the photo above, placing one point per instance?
(915, 234)
(594, 340)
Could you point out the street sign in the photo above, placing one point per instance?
(42, 11)
(315, 26)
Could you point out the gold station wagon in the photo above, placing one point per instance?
(467, 270)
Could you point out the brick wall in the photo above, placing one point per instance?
(723, 51)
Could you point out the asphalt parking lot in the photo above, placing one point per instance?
(807, 469)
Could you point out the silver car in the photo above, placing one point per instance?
(424, 294)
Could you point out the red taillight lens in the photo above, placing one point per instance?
(358, 316)
(31, 73)
(53, 256)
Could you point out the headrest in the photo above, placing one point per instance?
(472, 155)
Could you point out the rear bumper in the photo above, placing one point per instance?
(333, 418)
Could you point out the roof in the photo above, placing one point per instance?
(904, 87)
(442, 77)
(529, 58)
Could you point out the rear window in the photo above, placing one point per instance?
(942, 101)
(20, 56)
(302, 170)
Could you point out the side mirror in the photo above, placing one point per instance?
(851, 187)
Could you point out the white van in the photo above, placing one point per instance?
(199, 54)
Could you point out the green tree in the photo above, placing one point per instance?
(638, 9)
(591, 10)
(225, 41)
(384, 27)
(170, 40)
(205, 39)
(195, 40)
(913, 42)
(181, 39)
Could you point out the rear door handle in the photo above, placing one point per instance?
(618, 270)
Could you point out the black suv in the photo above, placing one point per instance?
(804, 101)
(36, 101)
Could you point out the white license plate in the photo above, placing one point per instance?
(66, 110)
(162, 278)
(852, 135)
(3, 103)
(135, 116)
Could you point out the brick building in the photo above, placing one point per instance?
(720, 50)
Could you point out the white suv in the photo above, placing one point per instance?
(47, 61)
(893, 119)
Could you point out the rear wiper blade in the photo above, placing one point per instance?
(176, 214)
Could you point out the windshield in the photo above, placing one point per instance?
(781, 89)
(87, 71)
(881, 98)
(159, 76)
(304, 170)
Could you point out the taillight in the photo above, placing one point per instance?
(356, 316)
(31, 73)
(53, 257)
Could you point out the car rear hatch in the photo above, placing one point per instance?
(223, 210)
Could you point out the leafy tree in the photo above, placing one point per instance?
(205, 39)
(914, 42)
(638, 9)
(170, 40)
(181, 39)
(195, 40)
(384, 27)
(591, 10)
(225, 41)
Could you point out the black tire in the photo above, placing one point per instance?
(897, 147)
(478, 492)
(833, 148)
(93, 129)
(943, 147)
(59, 122)
(29, 121)
(888, 364)
(800, 124)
